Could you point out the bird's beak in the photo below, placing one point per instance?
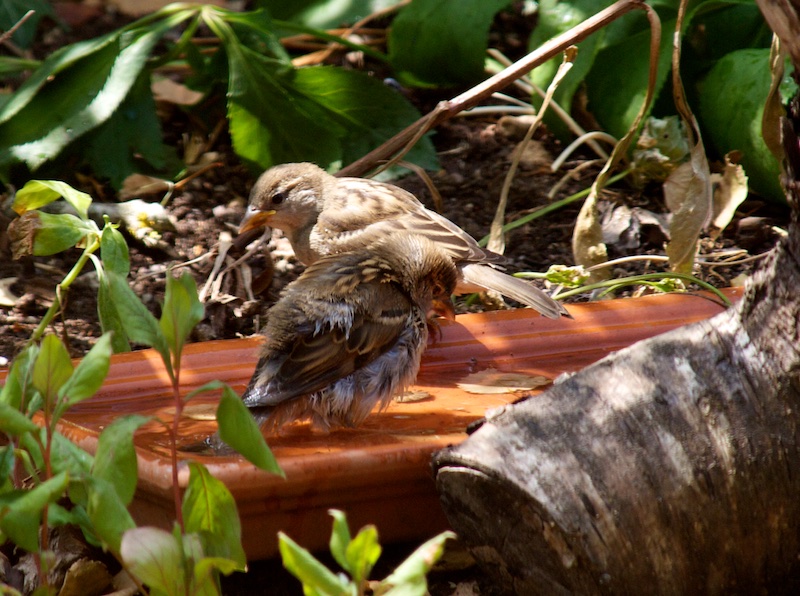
(255, 219)
(444, 308)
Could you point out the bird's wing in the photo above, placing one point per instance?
(367, 211)
(318, 358)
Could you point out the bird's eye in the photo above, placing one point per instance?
(278, 198)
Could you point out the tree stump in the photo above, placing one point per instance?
(672, 466)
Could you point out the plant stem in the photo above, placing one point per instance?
(62, 288)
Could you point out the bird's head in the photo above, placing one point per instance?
(287, 197)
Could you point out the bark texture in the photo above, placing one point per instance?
(670, 467)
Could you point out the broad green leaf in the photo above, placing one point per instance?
(110, 320)
(408, 579)
(340, 537)
(52, 369)
(139, 323)
(38, 193)
(315, 577)
(22, 511)
(370, 111)
(442, 42)
(156, 557)
(115, 459)
(209, 509)
(14, 422)
(108, 514)
(88, 83)
(129, 138)
(42, 234)
(362, 553)
(239, 430)
(732, 100)
(181, 312)
(89, 374)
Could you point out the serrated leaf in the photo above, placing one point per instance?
(115, 460)
(442, 42)
(315, 577)
(239, 430)
(209, 509)
(52, 368)
(38, 193)
(23, 511)
(182, 310)
(340, 537)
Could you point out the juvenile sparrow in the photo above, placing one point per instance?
(349, 333)
(321, 215)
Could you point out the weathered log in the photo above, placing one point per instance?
(670, 467)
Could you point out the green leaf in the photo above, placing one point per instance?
(38, 193)
(732, 98)
(181, 312)
(22, 511)
(114, 251)
(408, 579)
(66, 456)
(239, 430)
(138, 322)
(115, 460)
(131, 135)
(18, 387)
(14, 422)
(42, 234)
(108, 514)
(89, 374)
(209, 509)
(87, 90)
(52, 369)
(156, 557)
(442, 42)
(110, 320)
(315, 577)
(340, 537)
(362, 553)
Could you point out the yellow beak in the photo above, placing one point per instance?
(253, 220)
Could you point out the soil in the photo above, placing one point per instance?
(474, 155)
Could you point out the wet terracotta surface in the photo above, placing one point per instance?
(380, 472)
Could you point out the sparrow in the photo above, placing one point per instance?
(323, 215)
(349, 333)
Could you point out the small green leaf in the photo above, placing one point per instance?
(115, 460)
(209, 509)
(181, 312)
(109, 516)
(156, 557)
(52, 369)
(138, 322)
(18, 387)
(22, 511)
(408, 579)
(362, 553)
(239, 430)
(315, 577)
(38, 193)
(114, 251)
(89, 374)
(14, 422)
(340, 537)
